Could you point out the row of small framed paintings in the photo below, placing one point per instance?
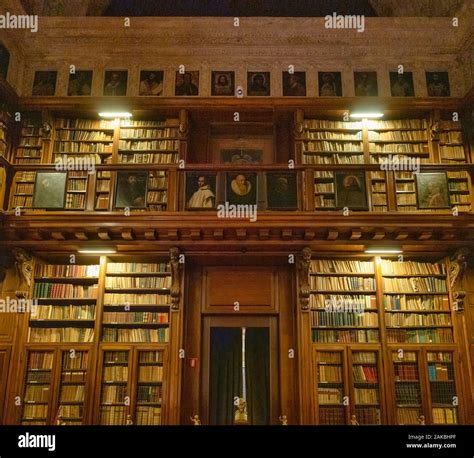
(277, 189)
(223, 83)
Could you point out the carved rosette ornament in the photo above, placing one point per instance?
(304, 287)
(24, 266)
(175, 290)
(457, 266)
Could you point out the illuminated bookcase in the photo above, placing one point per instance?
(22, 190)
(416, 302)
(149, 142)
(136, 302)
(67, 302)
(77, 138)
(343, 304)
(31, 148)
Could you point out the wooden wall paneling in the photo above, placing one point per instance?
(308, 191)
(175, 190)
(5, 351)
(193, 296)
(116, 143)
(391, 191)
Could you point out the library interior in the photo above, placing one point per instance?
(226, 219)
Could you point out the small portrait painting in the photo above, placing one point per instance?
(151, 83)
(45, 83)
(258, 84)
(281, 191)
(432, 190)
(351, 190)
(4, 61)
(294, 84)
(131, 190)
(241, 188)
(80, 83)
(401, 84)
(241, 156)
(223, 83)
(187, 83)
(200, 191)
(365, 84)
(330, 84)
(437, 84)
(50, 190)
(115, 82)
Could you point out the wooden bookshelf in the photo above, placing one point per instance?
(103, 189)
(416, 303)
(378, 191)
(5, 137)
(22, 190)
(67, 303)
(460, 190)
(31, 148)
(76, 139)
(149, 142)
(451, 145)
(343, 302)
(136, 304)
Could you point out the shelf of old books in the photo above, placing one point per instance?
(67, 300)
(451, 146)
(149, 142)
(343, 303)
(136, 305)
(31, 149)
(5, 120)
(416, 302)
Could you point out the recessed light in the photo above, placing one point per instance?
(115, 114)
(370, 115)
(97, 251)
(383, 251)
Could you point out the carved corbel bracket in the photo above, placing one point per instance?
(457, 266)
(24, 265)
(175, 290)
(303, 271)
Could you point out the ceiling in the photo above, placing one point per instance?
(284, 8)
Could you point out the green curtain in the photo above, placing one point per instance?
(226, 374)
(258, 375)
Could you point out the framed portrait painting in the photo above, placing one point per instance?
(115, 82)
(294, 84)
(200, 191)
(281, 191)
(187, 83)
(437, 84)
(241, 188)
(223, 83)
(351, 190)
(44, 83)
(151, 83)
(80, 83)
(131, 191)
(365, 84)
(50, 190)
(330, 84)
(401, 84)
(432, 190)
(258, 84)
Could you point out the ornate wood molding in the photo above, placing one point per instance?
(304, 286)
(457, 266)
(175, 289)
(24, 266)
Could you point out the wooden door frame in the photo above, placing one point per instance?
(268, 321)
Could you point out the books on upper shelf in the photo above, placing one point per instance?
(138, 282)
(63, 334)
(342, 283)
(345, 336)
(132, 267)
(64, 312)
(137, 299)
(414, 285)
(69, 270)
(43, 289)
(341, 266)
(135, 335)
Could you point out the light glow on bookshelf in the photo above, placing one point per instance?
(382, 251)
(97, 251)
(369, 115)
(115, 114)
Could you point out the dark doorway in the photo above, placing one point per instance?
(239, 382)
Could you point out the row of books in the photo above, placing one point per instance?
(444, 415)
(155, 197)
(329, 374)
(41, 377)
(405, 199)
(408, 416)
(36, 394)
(331, 415)
(451, 136)
(77, 185)
(379, 187)
(440, 357)
(333, 159)
(30, 130)
(150, 394)
(30, 141)
(368, 415)
(417, 319)
(149, 145)
(75, 201)
(136, 267)
(64, 290)
(342, 302)
(24, 188)
(130, 132)
(342, 283)
(112, 394)
(394, 148)
(128, 123)
(324, 187)
(40, 360)
(341, 266)
(337, 319)
(136, 299)
(64, 312)
(458, 186)
(419, 336)
(138, 282)
(77, 147)
(150, 373)
(364, 357)
(135, 317)
(367, 374)
(36, 335)
(136, 335)
(399, 135)
(115, 374)
(157, 180)
(379, 199)
(439, 372)
(443, 393)
(399, 124)
(460, 199)
(116, 357)
(415, 284)
(150, 158)
(148, 415)
(151, 357)
(77, 123)
(407, 393)
(66, 270)
(72, 393)
(337, 147)
(329, 357)
(406, 186)
(83, 135)
(453, 153)
(334, 136)
(103, 185)
(413, 302)
(329, 396)
(74, 376)
(345, 336)
(406, 372)
(325, 124)
(71, 411)
(112, 415)
(366, 395)
(35, 411)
